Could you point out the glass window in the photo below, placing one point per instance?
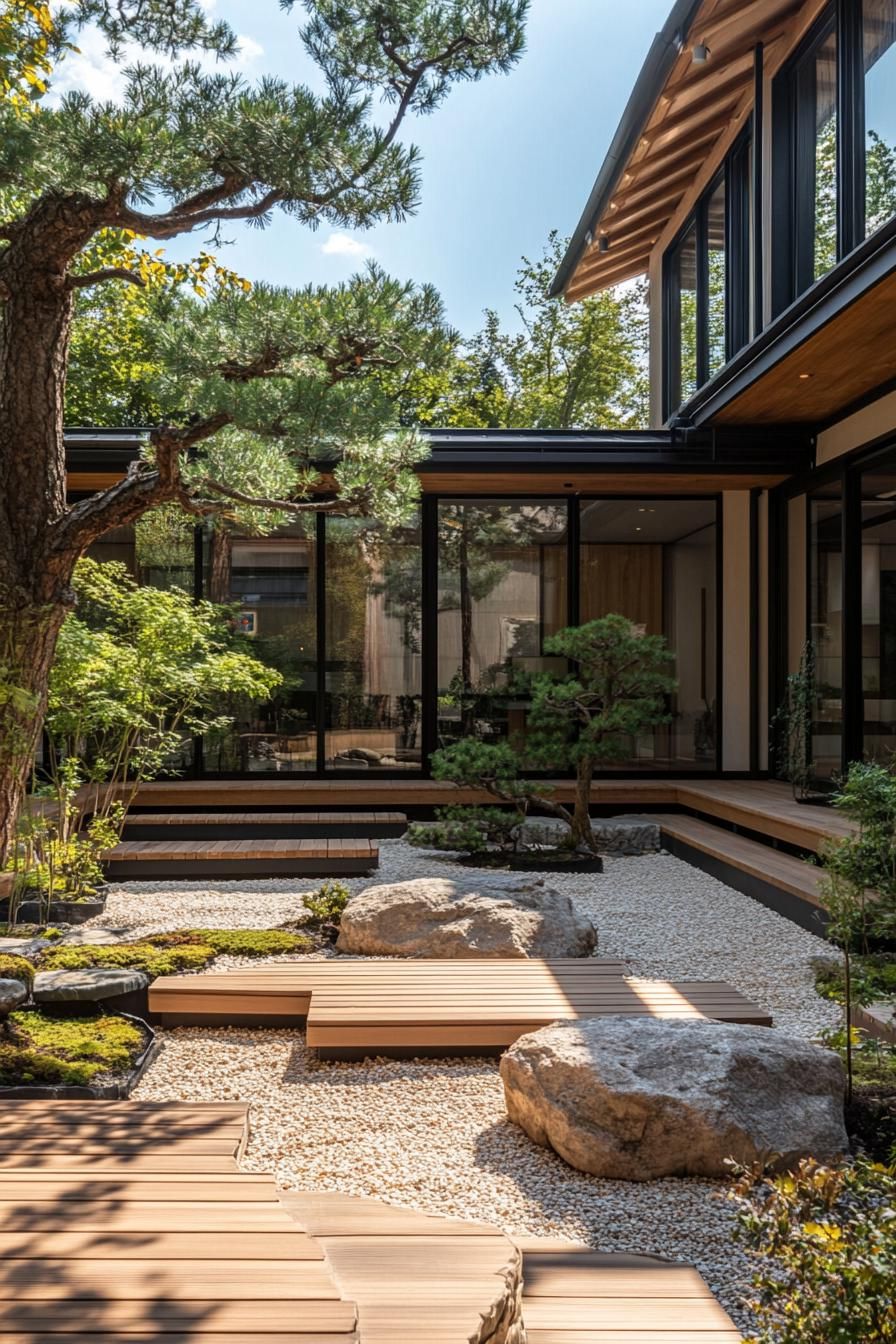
(271, 582)
(373, 663)
(717, 301)
(682, 332)
(826, 627)
(879, 612)
(501, 591)
(879, 65)
(654, 561)
(821, 70)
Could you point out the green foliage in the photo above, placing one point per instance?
(826, 1239)
(791, 724)
(571, 366)
(16, 968)
(236, 942)
(325, 906)
(145, 956)
(69, 1050)
(873, 978)
(469, 830)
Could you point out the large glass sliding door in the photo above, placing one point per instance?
(826, 630)
(878, 566)
(654, 561)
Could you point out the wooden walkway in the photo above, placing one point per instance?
(368, 1007)
(148, 859)
(758, 860)
(575, 1295)
(126, 1221)
(289, 825)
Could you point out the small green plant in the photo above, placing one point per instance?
(325, 906)
(791, 725)
(142, 956)
(826, 1241)
(72, 1050)
(468, 830)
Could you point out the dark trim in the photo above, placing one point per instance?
(866, 399)
(754, 631)
(320, 628)
(429, 629)
(757, 255)
(852, 742)
(720, 642)
(778, 608)
(573, 559)
(198, 584)
(661, 58)
(851, 127)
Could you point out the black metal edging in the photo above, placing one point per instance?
(92, 1091)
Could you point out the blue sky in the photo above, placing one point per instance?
(505, 160)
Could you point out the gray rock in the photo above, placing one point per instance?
(493, 915)
(23, 947)
(93, 937)
(625, 835)
(87, 986)
(636, 1099)
(12, 994)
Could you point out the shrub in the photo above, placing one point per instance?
(142, 956)
(827, 1238)
(471, 830)
(16, 968)
(326, 905)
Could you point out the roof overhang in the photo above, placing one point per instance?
(678, 112)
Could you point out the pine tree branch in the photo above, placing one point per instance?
(107, 273)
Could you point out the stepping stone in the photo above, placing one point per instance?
(12, 994)
(91, 985)
(92, 937)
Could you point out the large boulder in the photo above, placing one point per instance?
(494, 916)
(635, 1099)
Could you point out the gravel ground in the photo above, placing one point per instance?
(434, 1135)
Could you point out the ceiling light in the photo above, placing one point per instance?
(603, 243)
(804, 376)
(700, 54)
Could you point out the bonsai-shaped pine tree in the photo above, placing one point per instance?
(617, 690)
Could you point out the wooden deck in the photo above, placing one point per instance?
(148, 859)
(575, 1295)
(763, 806)
(364, 1007)
(102, 1241)
(288, 825)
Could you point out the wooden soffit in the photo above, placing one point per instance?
(694, 109)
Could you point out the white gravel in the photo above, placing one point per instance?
(433, 1135)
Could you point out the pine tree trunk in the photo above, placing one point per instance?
(582, 834)
(35, 574)
(221, 566)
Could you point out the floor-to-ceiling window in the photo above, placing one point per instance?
(502, 567)
(826, 627)
(878, 569)
(654, 561)
(372, 624)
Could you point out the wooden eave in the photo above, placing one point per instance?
(694, 108)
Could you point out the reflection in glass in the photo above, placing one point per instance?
(879, 612)
(373, 665)
(824, 71)
(502, 590)
(879, 51)
(271, 583)
(718, 279)
(826, 627)
(654, 561)
(683, 320)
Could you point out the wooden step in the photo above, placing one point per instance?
(416, 1278)
(188, 859)
(356, 1007)
(282, 825)
(575, 1295)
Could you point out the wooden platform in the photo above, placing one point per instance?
(764, 807)
(282, 825)
(365, 1007)
(575, 1295)
(188, 859)
(102, 1241)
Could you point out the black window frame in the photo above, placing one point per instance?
(736, 176)
(793, 192)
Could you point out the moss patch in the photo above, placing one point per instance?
(237, 942)
(16, 968)
(73, 1050)
(142, 956)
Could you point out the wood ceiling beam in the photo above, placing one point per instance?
(654, 167)
(646, 191)
(582, 288)
(613, 261)
(714, 125)
(742, 24)
(722, 95)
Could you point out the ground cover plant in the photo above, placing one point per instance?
(13, 967)
(179, 950)
(826, 1243)
(39, 1049)
(325, 907)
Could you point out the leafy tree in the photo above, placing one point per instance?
(256, 388)
(578, 366)
(589, 718)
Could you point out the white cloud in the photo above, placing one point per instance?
(344, 245)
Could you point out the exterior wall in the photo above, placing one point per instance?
(862, 427)
(736, 630)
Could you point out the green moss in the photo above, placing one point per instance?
(29, 931)
(16, 968)
(237, 942)
(142, 956)
(71, 1050)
